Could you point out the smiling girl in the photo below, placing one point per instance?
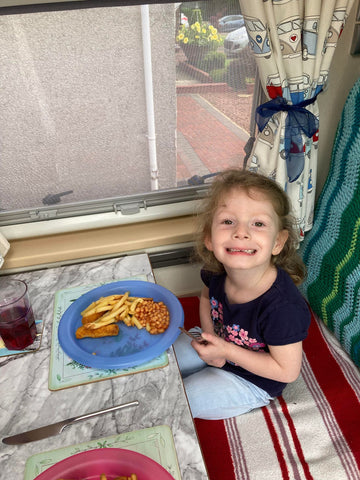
(253, 317)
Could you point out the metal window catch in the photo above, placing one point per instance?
(197, 180)
(129, 208)
(43, 215)
(51, 199)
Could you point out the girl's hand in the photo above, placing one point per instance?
(212, 353)
(282, 363)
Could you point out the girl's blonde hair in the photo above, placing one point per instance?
(288, 259)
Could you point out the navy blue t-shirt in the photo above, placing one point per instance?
(280, 316)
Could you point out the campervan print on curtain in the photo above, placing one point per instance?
(293, 42)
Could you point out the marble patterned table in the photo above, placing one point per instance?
(26, 401)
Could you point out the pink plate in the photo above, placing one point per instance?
(113, 462)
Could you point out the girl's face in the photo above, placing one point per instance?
(245, 231)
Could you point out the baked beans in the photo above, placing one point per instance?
(154, 316)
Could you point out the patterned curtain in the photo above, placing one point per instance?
(293, 42)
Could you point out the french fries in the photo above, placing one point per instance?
(114, 309)
(139, 312)
(133, 476)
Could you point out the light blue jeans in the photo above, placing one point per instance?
(213, 393)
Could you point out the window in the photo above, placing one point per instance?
(104, 111)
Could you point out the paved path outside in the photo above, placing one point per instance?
(207, 140)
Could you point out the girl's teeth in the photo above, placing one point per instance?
(245, 251)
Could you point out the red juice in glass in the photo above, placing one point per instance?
(17, 323)
(17, 328)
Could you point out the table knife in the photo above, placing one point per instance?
(56, 428)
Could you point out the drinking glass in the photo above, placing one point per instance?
(17, 323)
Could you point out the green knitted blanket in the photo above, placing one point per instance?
(331, 250)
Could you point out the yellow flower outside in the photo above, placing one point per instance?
(200, 34)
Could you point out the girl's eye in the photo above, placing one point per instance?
(227, 222)
(258, 224)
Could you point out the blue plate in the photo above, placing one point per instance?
(131, 346)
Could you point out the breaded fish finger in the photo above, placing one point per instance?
(91, 318)
(106, 331)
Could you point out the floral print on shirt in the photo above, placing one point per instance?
(232, 333)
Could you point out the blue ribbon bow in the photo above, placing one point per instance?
(298, 120)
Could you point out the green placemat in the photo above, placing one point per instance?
(65, 372)
(155, 442)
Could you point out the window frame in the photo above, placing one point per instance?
(56, 5)
(61, 218)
